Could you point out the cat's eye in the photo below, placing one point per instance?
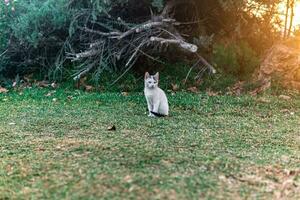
(154, 82)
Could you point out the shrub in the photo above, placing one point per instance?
(236, 59)
(34, 32)
(38, 33)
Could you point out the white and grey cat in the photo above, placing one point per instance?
(156, 98)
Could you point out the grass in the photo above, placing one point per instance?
(219, 147)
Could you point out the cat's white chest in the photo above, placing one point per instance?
(150, 94)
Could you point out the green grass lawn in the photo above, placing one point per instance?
(219, 147)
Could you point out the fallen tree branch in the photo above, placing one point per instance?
(134, 55)
(147, 55)
(97, 43)
(187, 46)
(84, 72)
(209, 66)
(100, 32)
(86, 54)
(141, 28)
(119, 44)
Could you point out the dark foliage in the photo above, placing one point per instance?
(37, 36)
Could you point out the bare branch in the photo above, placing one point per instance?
(134, 54)
(89, 53)
(84, 72)
(122, 44)
(141, 28)
(187, 46)
(4, 52)
(206, 64)
(149, 56)
(100, 32)
(97, 43)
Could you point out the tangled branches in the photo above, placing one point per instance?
(121, 44)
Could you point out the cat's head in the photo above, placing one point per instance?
(151, 82)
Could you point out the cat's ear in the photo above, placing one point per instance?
(156, 76)
(147, 75)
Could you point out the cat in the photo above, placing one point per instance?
(156, 98)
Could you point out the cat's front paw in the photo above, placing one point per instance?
(151, 115)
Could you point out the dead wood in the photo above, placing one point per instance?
(123, 44)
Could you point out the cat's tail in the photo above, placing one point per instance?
(158, 114)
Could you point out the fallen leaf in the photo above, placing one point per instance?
(111, 128)
(42, 84)
(89, 88)
(128, 179)
(285, 111)
(211, 93)
(82, 80)
(175, 87)
(222, 178)
(3, 90)
(125, 94)
(237, 89)
(264, 86)
(285, 97)
(285, 158)
(131, 188)
(199, 82)
(193, 89)
(28, 78)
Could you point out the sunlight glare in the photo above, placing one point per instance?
(296, 21)
(297, 15)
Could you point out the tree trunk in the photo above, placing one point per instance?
(291, 17)
(286, 18)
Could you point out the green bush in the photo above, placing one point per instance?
(38, 19)
(6, 16)
(38, 33)
(236, 59)
(34, 33)
(4, 23)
